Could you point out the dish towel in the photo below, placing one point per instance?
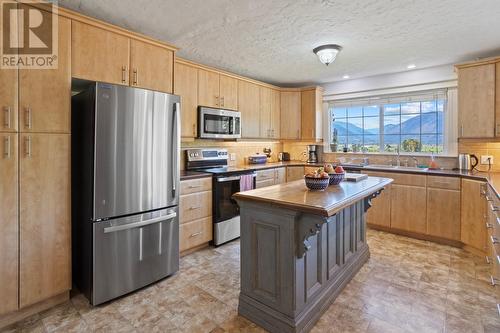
(246, 182)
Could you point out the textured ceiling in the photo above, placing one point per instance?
(272, 40)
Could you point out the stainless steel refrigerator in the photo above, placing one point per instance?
(125, 188)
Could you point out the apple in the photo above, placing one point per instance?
(329, 168)
(339, 169)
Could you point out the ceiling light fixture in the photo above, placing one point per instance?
(411, 66)
(345, 76)
(327, 53)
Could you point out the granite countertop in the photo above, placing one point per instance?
(185, 175)
(493, 178)
(296, 196)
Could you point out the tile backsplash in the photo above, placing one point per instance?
(482, 148)
(241, 149)
(298, 152)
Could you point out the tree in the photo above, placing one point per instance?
(411, 145)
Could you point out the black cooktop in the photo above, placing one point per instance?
(227, 170)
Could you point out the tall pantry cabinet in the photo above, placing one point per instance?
(35, 183)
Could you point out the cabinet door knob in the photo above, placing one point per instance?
(124, 74)
(27, 146)
(27, 117)
(222, 100)
(135, 78)
(7, 117)
(216, 100)
(7, 146)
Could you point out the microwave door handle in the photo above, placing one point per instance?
(175, 147)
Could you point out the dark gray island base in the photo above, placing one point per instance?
(299, 249)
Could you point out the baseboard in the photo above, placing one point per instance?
(14, 317)
(416, 235)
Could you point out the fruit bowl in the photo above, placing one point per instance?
(336, 178)
(316, 184)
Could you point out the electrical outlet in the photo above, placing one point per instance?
(232, 156)
(484, 159)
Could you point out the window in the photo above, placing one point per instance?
(413, 123)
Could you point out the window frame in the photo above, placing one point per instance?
(443, 134)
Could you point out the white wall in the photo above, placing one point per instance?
(411, 80)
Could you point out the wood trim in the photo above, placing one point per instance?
(68, 13)
(16, 316)
(485, 61)
(195, 249)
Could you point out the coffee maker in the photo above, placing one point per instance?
(312, 154)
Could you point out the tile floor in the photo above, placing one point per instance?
(406, 286)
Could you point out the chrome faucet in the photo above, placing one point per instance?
(415, 160)
(398, 164)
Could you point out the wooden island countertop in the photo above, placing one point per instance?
(296, 196)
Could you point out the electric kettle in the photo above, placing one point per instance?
(467, 161)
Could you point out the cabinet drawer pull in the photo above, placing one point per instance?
(493, 280)
(494, 208)
(498, 259)
(489, 225)
(124, 74)
(498, 308)
(194, 207)
(196, 234)
(7, 147)
(488, 260)
(27, 146)
(194, 186)
(194, 129)
(6, 122)
(27, 117)
(222, 100)
(494, 240)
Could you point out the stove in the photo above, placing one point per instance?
(226, 181)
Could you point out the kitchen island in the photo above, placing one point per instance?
(299, 248)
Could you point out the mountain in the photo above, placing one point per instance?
(410, 126)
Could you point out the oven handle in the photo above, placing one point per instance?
(230, 179)
(140, 224)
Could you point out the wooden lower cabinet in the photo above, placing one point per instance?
(473, 211)
(294, 173)
(409, 208)
(195, 233)
(195, 211)
(380, 212)
(280, 175)
(443, 213)
(270, 177)
(45, 219)
(9, 227)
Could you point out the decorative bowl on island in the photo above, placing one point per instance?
(336, 178)
(316, 183)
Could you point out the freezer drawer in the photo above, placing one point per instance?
(132, 252)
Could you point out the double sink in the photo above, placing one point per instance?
(394, 167)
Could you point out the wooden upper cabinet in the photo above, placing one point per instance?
(249, 106)
(312, 113)
(476, 101)
(275, 114)
(443, 213)
(45, 221)
(8, 100)
(228, 93)
(45, 94)
(99, 55)
(405, 199)
(290, 110)
(497, 100)
(473, 211)
(8, 222)
(186, 86)
(265, 112)
(208, 88)
(151, 66)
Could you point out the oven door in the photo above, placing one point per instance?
(215, 123)
(225, 207)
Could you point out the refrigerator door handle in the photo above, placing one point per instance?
(140, 224)
(175, 147)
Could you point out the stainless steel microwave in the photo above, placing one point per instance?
(218, 123)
